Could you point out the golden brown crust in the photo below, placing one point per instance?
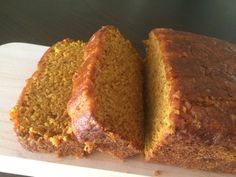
(202, 73)
(71, 147)
(39, 144)
(81, 107)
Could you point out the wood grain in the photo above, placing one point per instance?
(18, 61)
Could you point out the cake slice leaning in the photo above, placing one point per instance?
(106, 105)
(190, 101)
(40, 118)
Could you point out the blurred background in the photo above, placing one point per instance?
(47, 21)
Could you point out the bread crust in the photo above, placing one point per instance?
(39, 144)
(81, 108)
(202, 75)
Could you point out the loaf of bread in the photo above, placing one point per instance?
(190, 101)
(40, 119)
(189, 90)
(106, 105)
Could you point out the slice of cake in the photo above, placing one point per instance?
(106, 105)
(191, 101)
(40, 119)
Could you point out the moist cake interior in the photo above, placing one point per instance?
(41, 112)
(118, 87)
(157, 96)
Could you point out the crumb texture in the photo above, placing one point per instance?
(118, 87)
(40, 118)
(196, 127)
(110, 92)
(157, 90)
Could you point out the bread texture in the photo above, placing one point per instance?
(190, 101)
(106, 105)
(40, 119)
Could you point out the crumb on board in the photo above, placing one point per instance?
(157, 173)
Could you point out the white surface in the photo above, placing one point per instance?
(17, 62)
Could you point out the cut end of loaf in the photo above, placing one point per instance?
(157, 93)
(189, 124)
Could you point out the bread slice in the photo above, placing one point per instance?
(106, 105)
(191, 101)
(40, 118)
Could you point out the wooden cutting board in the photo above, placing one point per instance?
(17, 63)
